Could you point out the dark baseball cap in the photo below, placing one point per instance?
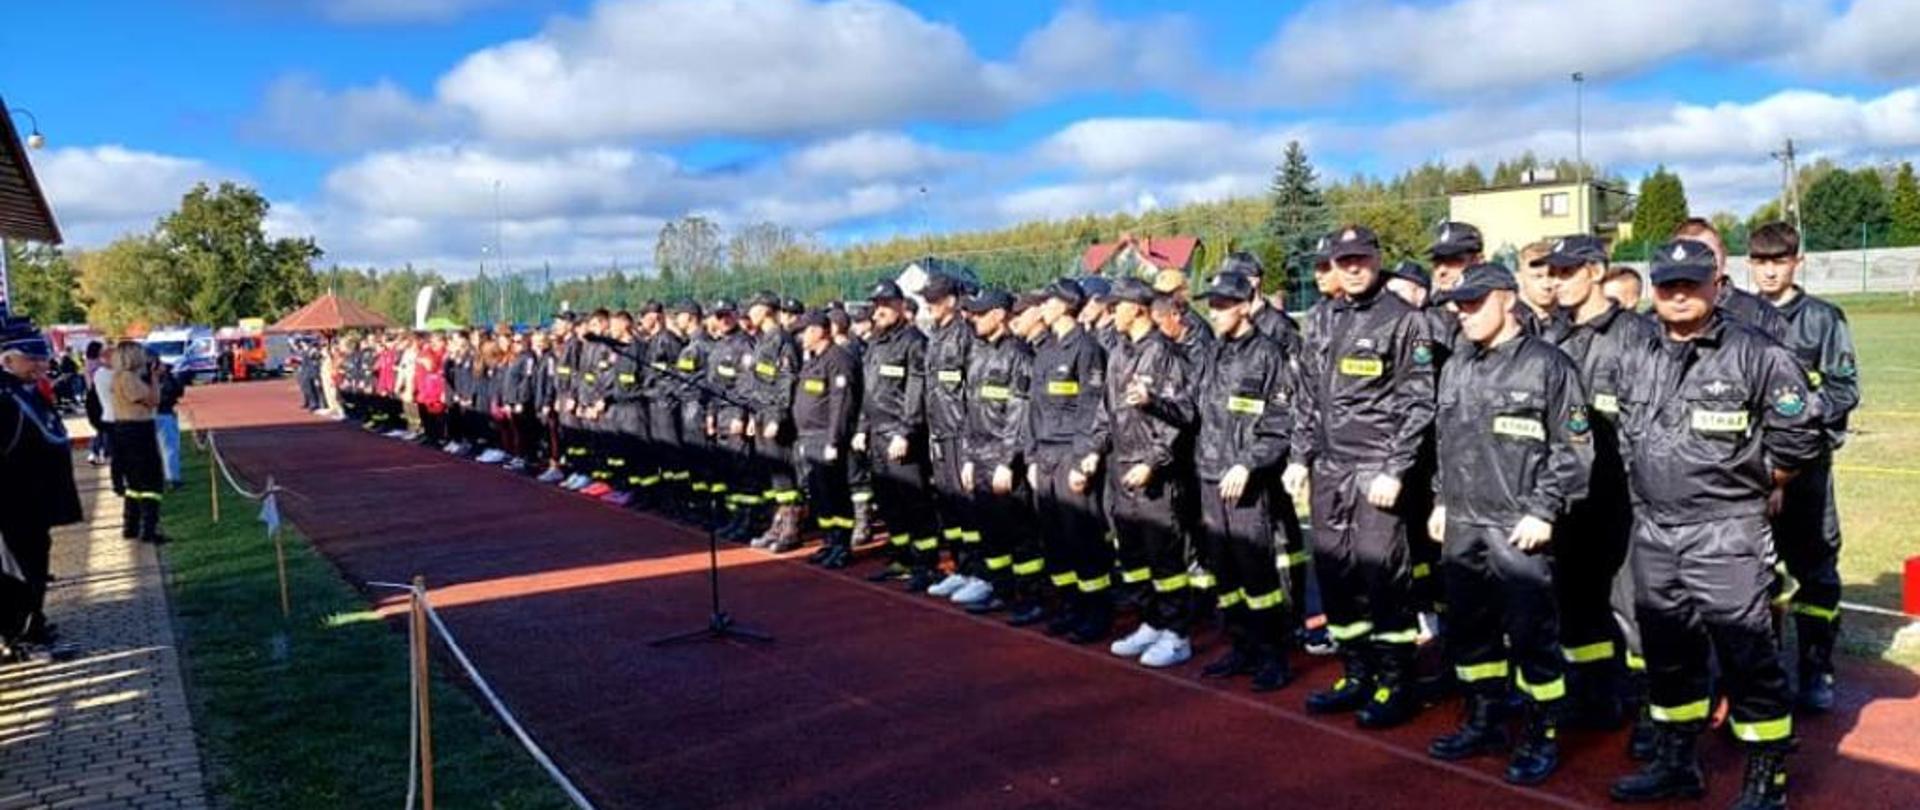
(792, 306)
(989, 300)
(18, 334)
(1321, 247)
(1244, 263)
(886, 290)
(684, 306)
(566, 316)
(940, 286)
(1478, 282)
(1578, 250)
(812, 318)
(764, 298)
(1230, 287)
(1682, 260)
(651, 307)
(1098, 288)
(1067, 290)
(1412, 271)
(1134, 291)
(1455, 239)
(1357, 240)
(723, 306)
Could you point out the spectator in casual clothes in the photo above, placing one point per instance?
(168, 424)
(135, 391)
(99, 410)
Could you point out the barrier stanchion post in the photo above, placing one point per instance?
(421, 685)
(280, 558)
(213, 481)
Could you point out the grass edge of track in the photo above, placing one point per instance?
(312, 711)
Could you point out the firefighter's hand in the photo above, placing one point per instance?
(1437, 524)
(1234, 483)
(736, 428)
(1294, 479)
(1530, 533)
(1384, 492)
(830, 452)
(966, 475)
(1033, 477)
(1077, 481)
(1090, 464)
(897, 449)
(1137, 393)
(859, 442)
(1776, 500)
(771, 431)
(1002, 480)
(1137, 477)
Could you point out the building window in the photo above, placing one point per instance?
(1554, 205)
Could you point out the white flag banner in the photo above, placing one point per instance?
(270, 512)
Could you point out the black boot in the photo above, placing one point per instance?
(1595, 697)
(840, 550)
(920, 580)
(1271, 673)
(1393, 701)
(1674, 772)
(736, 523)
(1237, 661)
(1538, 754)
(1816, 636)
(1479, 731)
(893, 571)
(1096, 618)
(1068, 616)
(130, 518)
(1352, 690)
(1765, 787)
(1027, 611)
(1643, 742)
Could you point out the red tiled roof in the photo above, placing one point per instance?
(330, 313)
(1164, 252)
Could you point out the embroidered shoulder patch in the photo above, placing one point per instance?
(1423, 352)
(1577, 421)
(1788, 402)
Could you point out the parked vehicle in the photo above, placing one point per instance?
(190, 350)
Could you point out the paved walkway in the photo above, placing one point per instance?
(109, 726)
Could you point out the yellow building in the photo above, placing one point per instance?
(1509, 217)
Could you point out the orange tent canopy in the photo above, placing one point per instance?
(330, 313)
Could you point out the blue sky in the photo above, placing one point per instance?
(381, 126)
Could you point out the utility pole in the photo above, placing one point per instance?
(499, 253)
(1579, 125)
(1789, 186)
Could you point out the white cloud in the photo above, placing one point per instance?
(1080, 49)
(1873, 38)
(1468, 46)
(674, 69)
(299, 111)
(102, 192)
(1166, 146)
(873, 155)
(398, 11)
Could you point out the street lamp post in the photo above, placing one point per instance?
(35, 140)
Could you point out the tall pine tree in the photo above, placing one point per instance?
(1300, 215)
(1905, 209)
(1662, 206)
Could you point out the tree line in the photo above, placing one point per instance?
(209, 261)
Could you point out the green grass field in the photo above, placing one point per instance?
(312, 711)
(1878, 472)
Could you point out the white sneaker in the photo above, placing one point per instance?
(1170, 650)
(947, 586)
(492, 456)
(976, 590)
(1136, 642)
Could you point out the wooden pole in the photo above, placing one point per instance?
(422, 691)
(280, 558)
(213, 481)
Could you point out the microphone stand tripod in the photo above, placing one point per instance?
(720, 624)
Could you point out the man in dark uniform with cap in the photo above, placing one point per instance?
(769, 386)
(1243, 398)
(662, 478)
(892, 432)
(1371, 409)
(1069, 384)
(1096, 315)
(1807, 526)
(1515, 444)
(950, 341)
(1138, 436)
(1409, 280)
(1600, 638)
(728, 399)
(36, 472)
(1730, 300)
(1713, 423)
(998, 435)
(826, 394)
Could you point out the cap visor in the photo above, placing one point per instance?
(1339, 253)
(1667, 275)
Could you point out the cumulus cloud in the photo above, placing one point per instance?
(873, 155)
(1081, 49)
(102, 192)
(1872, 38)
(298, 111)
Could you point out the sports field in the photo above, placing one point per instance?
(1879, 470)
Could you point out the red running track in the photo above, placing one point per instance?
(876, 698)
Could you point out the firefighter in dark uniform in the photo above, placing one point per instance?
(994, 449)
(1410, 282)
(1516, 443)
(663, 480)
(1068, 387)
(769, 385)
(1137, 435)
(1372, 407)
(693, 472)
(1713, 423)
(892, 432)
(570, 448)
(950, 341)
(1243, 399)
(840, 319)
(36, 472)
(1807, 528)
(1096, 315)
(824, 402)
(583, 392)
(725, 394)
(623, 409)
(1744, 307)
(1600, 640)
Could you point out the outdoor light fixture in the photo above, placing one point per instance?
(35, 140)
